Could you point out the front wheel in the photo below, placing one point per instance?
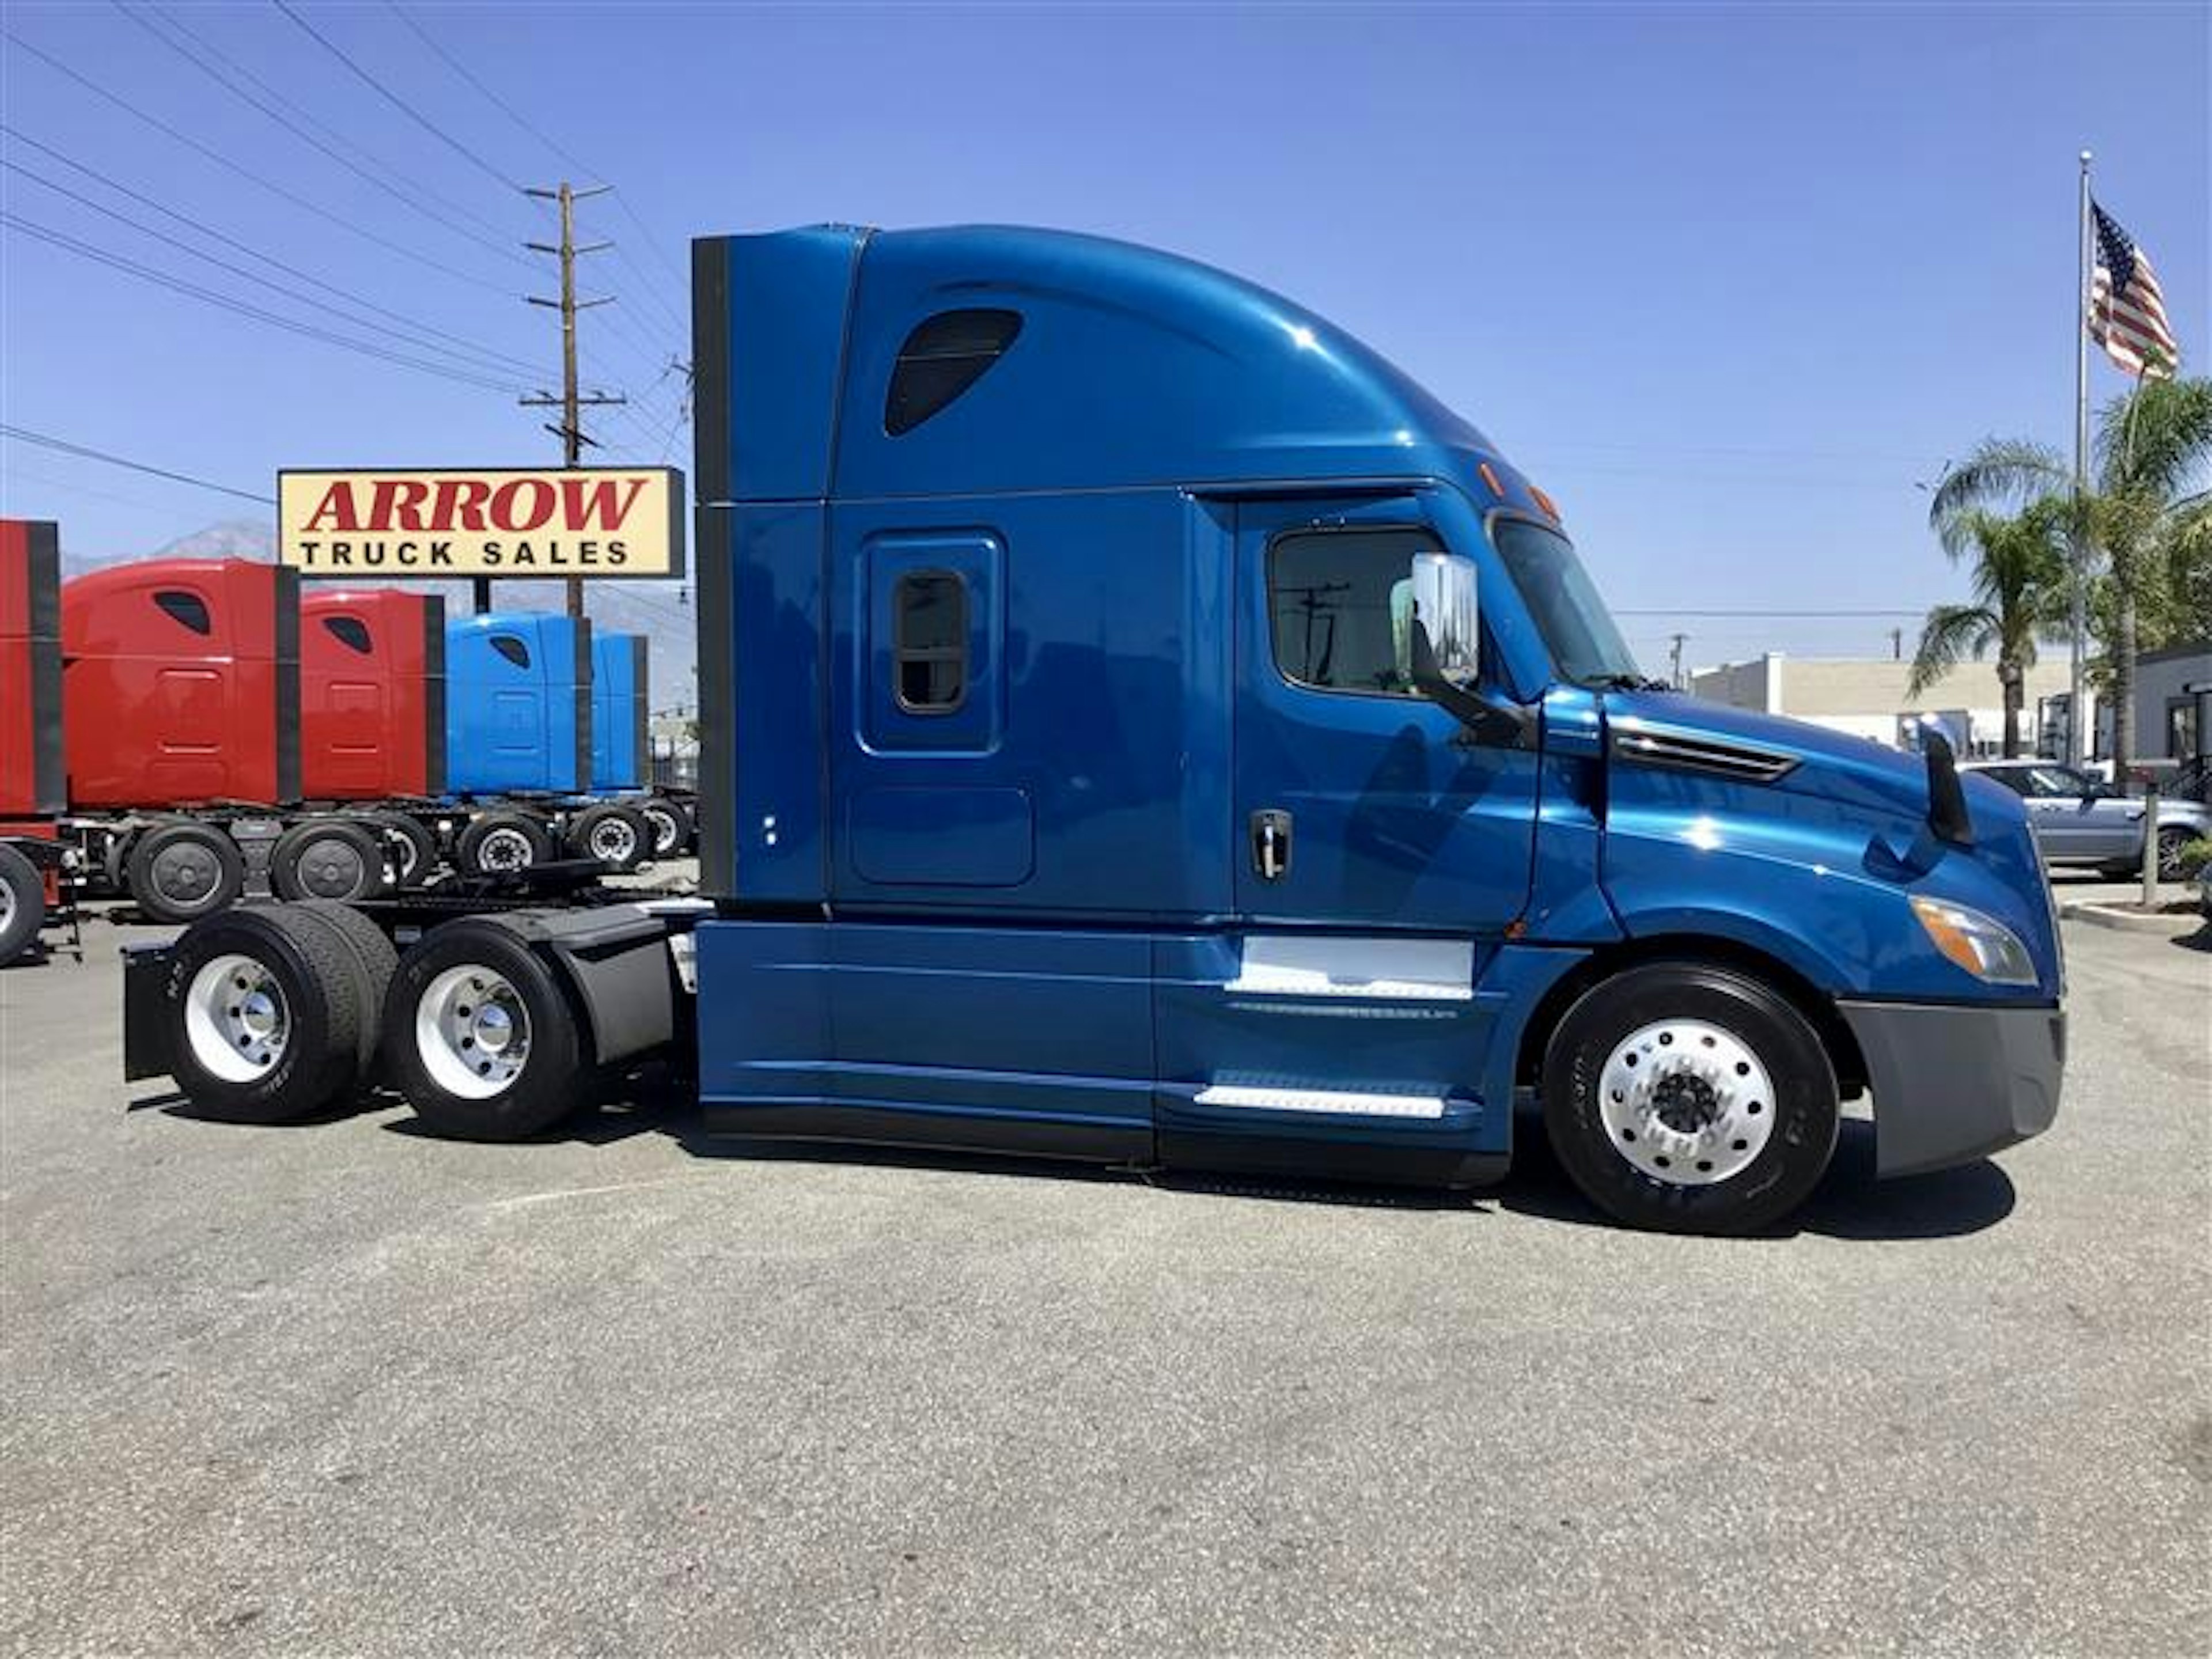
(1682, 1097)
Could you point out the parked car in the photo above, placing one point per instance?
(2079, 819)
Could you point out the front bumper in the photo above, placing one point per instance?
(1954, 1082)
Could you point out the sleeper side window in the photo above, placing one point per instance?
(1340, 605)
(185, 607)
(929, 641)
(509, 646)
(349, 631)
(942, 357)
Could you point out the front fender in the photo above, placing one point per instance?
(1826, 897)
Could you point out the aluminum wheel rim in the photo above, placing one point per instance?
(472, 1032)
(666, 830)
(2169, 854)
(186, 873)
(505, 849)
(237, 1022)
(6, 906)
(612, 840)
(1685, 1102)
(331, 867)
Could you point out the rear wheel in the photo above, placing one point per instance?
(502, 843)
(1687, 1098)
(412, 848)
(328, 858)
(22, 904)
(669, 824)
(479, 1037)
(375, 961)
(264, 1010)
(617, 836)
(182, 870)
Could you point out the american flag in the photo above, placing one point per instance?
(2127, 311)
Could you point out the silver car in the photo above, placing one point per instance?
(2079, 819)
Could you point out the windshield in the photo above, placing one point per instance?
(1585, 646)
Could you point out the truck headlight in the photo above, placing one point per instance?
(1981, 944)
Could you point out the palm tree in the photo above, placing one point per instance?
(2021, 595)
(2147, 509)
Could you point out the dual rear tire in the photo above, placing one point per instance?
(279, 1012)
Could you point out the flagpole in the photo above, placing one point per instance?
(2078, 703)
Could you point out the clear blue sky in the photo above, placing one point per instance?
(1726, 281)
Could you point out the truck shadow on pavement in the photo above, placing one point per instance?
(1849, 1203)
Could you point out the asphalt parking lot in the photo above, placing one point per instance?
(347, 1388)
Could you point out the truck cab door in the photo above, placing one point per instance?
(1380, 852)
(1362, 804)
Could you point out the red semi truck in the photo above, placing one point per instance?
(180, 730)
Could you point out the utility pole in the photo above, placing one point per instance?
(571, 401)
(1675, 655)
(1897, 645)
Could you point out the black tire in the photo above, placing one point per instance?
(328, 858)
(374, 960)
(182, 870)
(552, 1080)
(671, 824)
(1801, 1119)
(499, 836)
(413, 849)
(313, 972)
(617, 835)
(22, 904)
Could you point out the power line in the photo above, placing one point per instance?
(226, 302)
(476, 358)
(45, 441)
(395, 99)
(529, 126)
(413, 197)
(247, 173)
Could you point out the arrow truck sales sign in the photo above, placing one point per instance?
(614, 521)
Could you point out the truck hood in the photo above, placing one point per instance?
(1834, 764)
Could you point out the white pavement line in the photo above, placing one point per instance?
(560, 1193)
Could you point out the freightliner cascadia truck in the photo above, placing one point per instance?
(183, 729)
(1142, 726)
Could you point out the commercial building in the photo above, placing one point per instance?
(1868, 696)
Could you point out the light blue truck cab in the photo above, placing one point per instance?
(620, 716)
(1141, 724)
(518, 704)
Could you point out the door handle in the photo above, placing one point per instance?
(1271, 844)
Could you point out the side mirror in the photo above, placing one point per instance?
(1445, 635)
(1444, 646)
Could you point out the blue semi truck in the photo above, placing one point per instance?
(1142, 726)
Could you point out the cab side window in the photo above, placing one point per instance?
(350, 632)
(185, 607)
(1339, 606)
(929, 641)
(509, 646)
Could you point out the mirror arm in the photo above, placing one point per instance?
(1507, 728)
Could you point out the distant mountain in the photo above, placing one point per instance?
(232, 538)
(652, 609)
